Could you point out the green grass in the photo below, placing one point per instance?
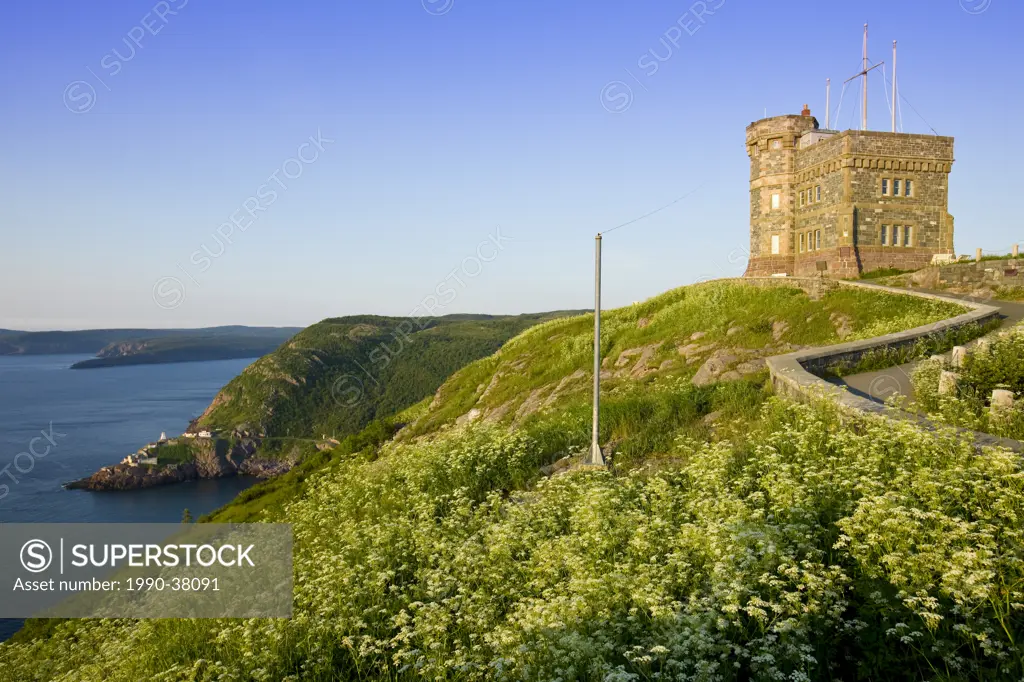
(336, 376)
(792, 542)
(444, 552)
(545, 355)
(269, 497)
(1005, 293)
(1001, 366)
(933, 344)
(174, 454)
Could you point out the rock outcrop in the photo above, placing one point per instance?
(213, 459)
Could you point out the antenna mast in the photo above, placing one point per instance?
(828, 109)
(894, 86)
(864, 74)
(864, 106)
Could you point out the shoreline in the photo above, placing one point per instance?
(212, 458)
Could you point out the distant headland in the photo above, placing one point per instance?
(119, 347)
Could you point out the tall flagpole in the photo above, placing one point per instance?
(596, 457)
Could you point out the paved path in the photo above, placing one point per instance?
(881, 384)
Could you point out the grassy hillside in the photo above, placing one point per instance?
(548, 366)
(707, 332)
(737, 537)
(336, 376)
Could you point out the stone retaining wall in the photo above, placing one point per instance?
(814, 287)
(790, 375)
(1008, 273)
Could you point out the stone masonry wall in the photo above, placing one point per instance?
(925, 161)
(849, 168)
(772, 145)
(988, 273)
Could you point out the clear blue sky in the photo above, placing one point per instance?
(451, 119)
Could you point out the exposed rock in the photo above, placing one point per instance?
(712, 417)
(497, 414)
(691, 350)
(842, 324)
(557, 466)
(361, 330)
(532, 403)
(643, 322)
(926, 277)
(751, 366)
(265, 468)
(641, 367)
(697, 336)
(713, 367)
(490, 386)
(666, 364)
(734, 330)
(562, 385)
(626, 356)
(115, 350)
(779, 327)
(469, 417)
(129, 477)
(212, 460)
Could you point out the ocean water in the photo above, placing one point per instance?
(71, 423)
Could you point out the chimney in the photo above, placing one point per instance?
(806, 111)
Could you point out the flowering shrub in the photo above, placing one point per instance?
(1001, 365)
(818, 547)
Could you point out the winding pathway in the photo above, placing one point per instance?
(880, 384)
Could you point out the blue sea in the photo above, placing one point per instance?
(72, 422)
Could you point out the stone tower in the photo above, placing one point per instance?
(839, 204)
(772, 145)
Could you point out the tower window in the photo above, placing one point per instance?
(775, 201)
(908, 233)
(801, 242)
(801, 197)
(885, 235)
(895, 235)
(817, 239)
(906, 188)
(895, 188)
(885, 185)
(817, 193)
(775, 243)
